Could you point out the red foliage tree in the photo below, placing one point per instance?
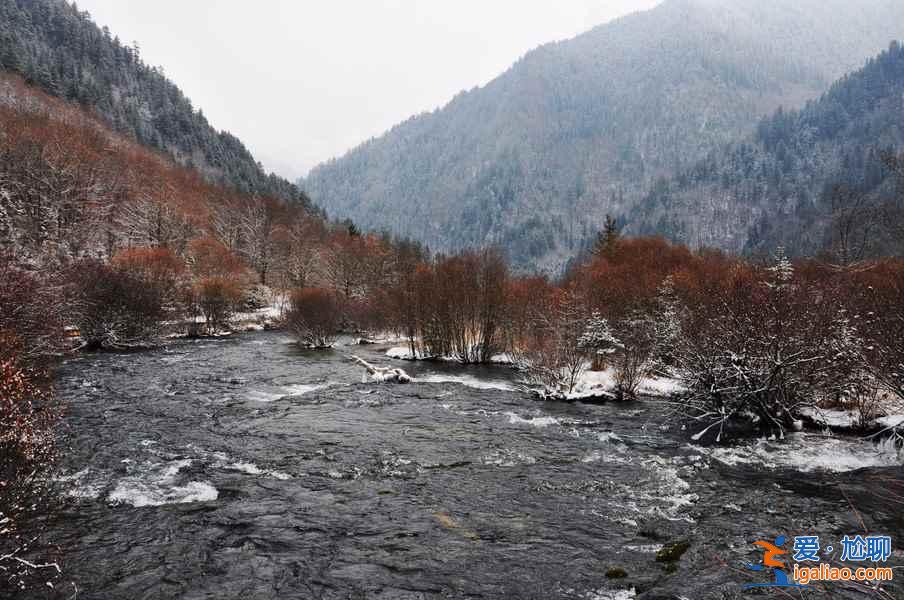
(315, 316)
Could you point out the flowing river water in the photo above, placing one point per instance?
(243, 467)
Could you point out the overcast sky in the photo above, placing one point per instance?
(302, 81)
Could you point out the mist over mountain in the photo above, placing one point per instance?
(800, 177)
(58, 48)
(534, 160)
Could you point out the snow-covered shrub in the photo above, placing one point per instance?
(665, 321)
(597, 340)
(553, 357)
(633, 359)
(878, 311)
(759, 348)
(256, 297)
(315, 317)
(628, 346)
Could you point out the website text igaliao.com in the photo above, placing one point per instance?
(824, 572)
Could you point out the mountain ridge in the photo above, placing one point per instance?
(791, 181)
(58, 48)
(577, 129)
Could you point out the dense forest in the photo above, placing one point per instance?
(817, 179)
(575, 130)
(57, 47)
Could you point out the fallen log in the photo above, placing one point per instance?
(383, 374)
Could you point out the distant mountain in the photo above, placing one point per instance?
(57, 47)
(813, 180)
(534, 160)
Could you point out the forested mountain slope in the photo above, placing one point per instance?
(56, 46)
(818, 179)
(534, 160)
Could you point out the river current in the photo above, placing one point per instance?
(243, 467)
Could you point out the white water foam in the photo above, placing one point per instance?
(808, 453)
(81, 485)
(539, 422)
(154, 485)
(611, 595)
(467, 381)
(299, 389)
(507, 458)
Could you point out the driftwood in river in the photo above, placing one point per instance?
(383, 374)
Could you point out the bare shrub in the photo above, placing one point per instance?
(315, 317)
(30, 306)
(215, 298)
(116, 308)
(28, 451)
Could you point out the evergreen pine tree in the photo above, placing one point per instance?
(607, 239)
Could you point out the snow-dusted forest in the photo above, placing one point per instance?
(208, 388)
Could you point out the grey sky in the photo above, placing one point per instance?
(301, 81)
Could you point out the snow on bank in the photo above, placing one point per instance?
(405, 353)
(891, 421)
(591, 384)
(382, 338)
(809, 453)
(597, 384)
(827, 417)
(846, 420)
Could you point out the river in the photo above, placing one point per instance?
(243, 467)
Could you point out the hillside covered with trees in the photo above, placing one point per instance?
(57, 47)
(575, 130)
(813, 180)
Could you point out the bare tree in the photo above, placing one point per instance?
(854, 224)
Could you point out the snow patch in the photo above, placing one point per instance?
(829, 417)
(502, 359)
(891, 421)
(405, 353)
(601, 384)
